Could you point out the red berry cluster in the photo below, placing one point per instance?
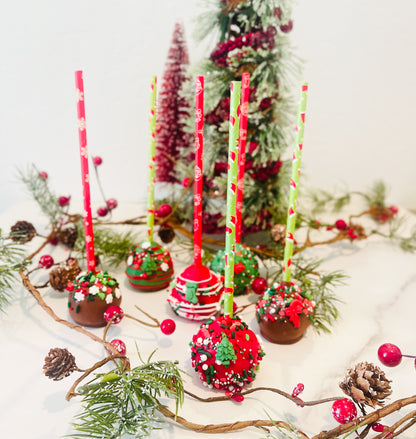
(261, 39)
(263, 172)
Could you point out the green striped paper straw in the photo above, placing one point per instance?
(294, 183)
(152, 160)
(231, 197)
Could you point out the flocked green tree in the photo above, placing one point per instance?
(252, 37)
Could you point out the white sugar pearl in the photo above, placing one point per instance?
(203, 358)
(204, 366)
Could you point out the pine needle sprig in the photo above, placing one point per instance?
(406, 243)
(125, 402)
(38, 188)
(112, 246)
(12, 260)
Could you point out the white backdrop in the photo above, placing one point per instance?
(359, 62)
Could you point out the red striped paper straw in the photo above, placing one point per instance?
(85, 176)
(199, 146)
(245, 84)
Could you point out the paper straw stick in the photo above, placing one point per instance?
(245, 84)
(231, 197)
(294, 183)
(152, 160)
(199, 147)
(85, 176)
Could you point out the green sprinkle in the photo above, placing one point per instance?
(247, 337)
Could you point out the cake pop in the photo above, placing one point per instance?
(197, 291)
(91, 293)
(149, 265)
(224, 351)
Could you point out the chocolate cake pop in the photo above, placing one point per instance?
(89, 296)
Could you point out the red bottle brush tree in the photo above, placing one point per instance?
(172, 108)
(252, 36)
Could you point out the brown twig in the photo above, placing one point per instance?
(269, 389)
(226, 427)
(71, 392)
(35, 293)
(368, 419)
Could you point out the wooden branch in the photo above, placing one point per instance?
(226, 427)
(71, 392)
(368, 419)
(269, 389)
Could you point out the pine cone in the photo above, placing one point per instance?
(22, 232)
(59, 363)
(366, 384)
(166, 234)
(68, 236)
(65, 272)
(278, 232)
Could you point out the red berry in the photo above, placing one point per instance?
(164, 210)
(97, 160)
(64, 201)
(378, 427)
(389, 355)
(186, 182)
(259, 285)
(298, 389)
(46, 261)
(119, 346)
(238, 397)
(43, 175)
(344, 411)
(113, 311)
(102, 211)
(340, 224)
(54, 241)
(285, 28)
(168, 326)
(394, 209)
(112, 203)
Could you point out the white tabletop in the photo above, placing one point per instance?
(378, 306)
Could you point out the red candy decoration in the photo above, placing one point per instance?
(164, 210)
(112, 311)
(112, 203)
(46, 261)
(168, 326)
(102, 211)
(239, 268)
(119, 346)
(259, 285)
(64, 201)
(389, 355)
(97, 160)
(344, 410)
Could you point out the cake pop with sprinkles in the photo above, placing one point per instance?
(149, 265)
(197, 291)
(225, 352)
(92, 292)
(285, 311)
(246, 267)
